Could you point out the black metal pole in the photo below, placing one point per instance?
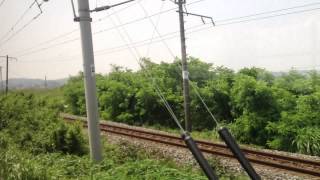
(199, 157)
(231, 143)
(185, 73)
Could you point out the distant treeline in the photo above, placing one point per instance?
(280, 112)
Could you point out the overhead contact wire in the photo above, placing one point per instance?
(148, 75)
(18, 21)
(171, 52)
(101, 31)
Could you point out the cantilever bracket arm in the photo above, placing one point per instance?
(201, 16)
(97, 9)
(109, 6)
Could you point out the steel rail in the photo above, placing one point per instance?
(289, 163)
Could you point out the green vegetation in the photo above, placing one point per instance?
(36, 144)
(278, 112)
(118, 164)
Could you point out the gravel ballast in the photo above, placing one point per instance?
(183, 156)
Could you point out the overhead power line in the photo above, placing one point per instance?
(104, 18)
(141, 43)
(156, 30)
(32, 49)
(191, 30)
(136, 55)
(155, 26)
(60, 36)
(95, 33)
(219, 23)
(19, 30)
(145, 42)
(273, 11)
(49, 47)
(19, 20)
(265, 17)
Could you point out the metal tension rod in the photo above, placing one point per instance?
(109, 6)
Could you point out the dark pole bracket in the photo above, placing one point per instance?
(201, 16)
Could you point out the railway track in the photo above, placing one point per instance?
(288, 163)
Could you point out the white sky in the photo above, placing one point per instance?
(276, 44)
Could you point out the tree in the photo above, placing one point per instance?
(254, 106)
(74, 95)
(295, 83)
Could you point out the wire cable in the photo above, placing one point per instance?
(267, 17)
(172, 35)
(269, 12)
(190, 30)
(19, 30)
(217, 25)
(49, 47)
(103, 18)
(18, 21)
(154, 31)
(25, 25)
(26, 51)
(149, 75)
(195, 87)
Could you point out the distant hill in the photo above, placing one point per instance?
(22, 83)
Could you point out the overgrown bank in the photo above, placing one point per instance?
(275, 111)
(36, 144)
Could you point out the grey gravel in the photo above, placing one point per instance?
(183, 156)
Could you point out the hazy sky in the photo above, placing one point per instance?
(50, 45)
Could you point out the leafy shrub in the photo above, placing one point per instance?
(262, 108)
(19, 165)
(40, 129)
(308, 141)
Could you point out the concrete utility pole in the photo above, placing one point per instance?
(7, 72)
(89, 80)
(89, 72)
(185, 73)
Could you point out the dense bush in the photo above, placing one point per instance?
(261, 108)
(120, 163)
(31, 123)
(36, 144)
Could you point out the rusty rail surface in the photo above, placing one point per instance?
(289, 163)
